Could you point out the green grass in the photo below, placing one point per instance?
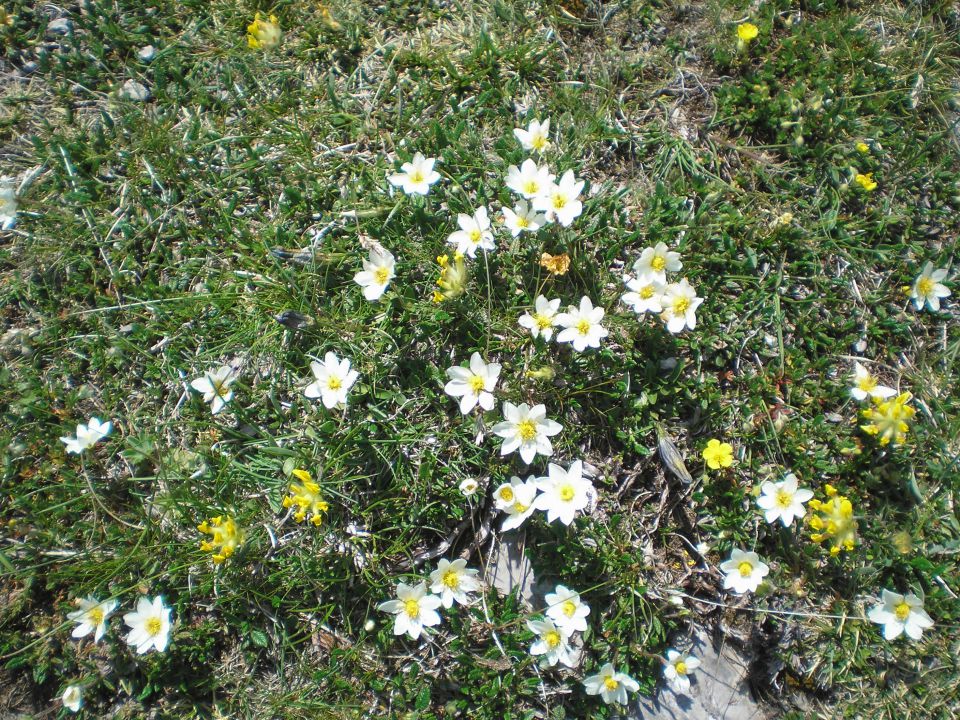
(142, 257)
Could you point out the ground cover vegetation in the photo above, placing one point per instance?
(307, 307)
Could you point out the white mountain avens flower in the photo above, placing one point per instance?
(644, 296)
(214, 385)
(542, 321)
(453, 581)
(567, 610)
(655, 262)
(865, 385)
(527, 430)
(91, 617)
(563, 493)
(149, 625)
(474, 233)
(581, 325)
(561, 201)
(333, 379)
(743, 571)
(677, 668)
(72, 698)
(520, 506)
(416, 177)
(928, 289)
(523, 218)
(783, 500)
(610, 685)
(552, 644)
(8, 203)
(536, 137)
(474, 385)
(378, 271)
(680, 303)
(414, 610)
(900, 614)
(87, 436)
(529, 180)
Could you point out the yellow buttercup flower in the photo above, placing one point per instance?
(555, 264)
(225, 537)
(264, 34)
(453, 278)
(889, 419)
(747, 32)
(866, 181)
(718, 455)
(863, 148)
(833, 521)
(305, 495)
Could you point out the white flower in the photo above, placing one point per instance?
(535, 137)
(560, 202)
(91, 617)
(678, 666)
(563, 492)
(655, 262)
(416, 176)
(567, 610)
(378, 271)
(469, 486)
(928, 288)
(552, 642)
(526, 429)
(452, 581)
(474, 386)
(783, 500)
(610, 685)
(523, 218)
(8, 204)
(865, 385)
(744, 571)
(334, 378)
(644, 296)
(474, 233)
(898, 614)
(72, 698)
(215, 386)
(680, 303)
(582, 326)
(414, 609)
(529, 180)
(543, 319)
(520, 505)
(87, 435)
(149, 625)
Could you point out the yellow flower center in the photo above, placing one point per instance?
(924, 286)
(411, 608)
(583, 327)
(867, 383)
(475, 235)
(902, 611)
(334, 383)
(219, 387)
(381, 275)
(153, 626)
(506, 494)
(569, 607)
(476, 383)
(745, 568)
(416, 176)
(552, 639)
(527, 429)
(646, 292)
(451, 579)
(681, 305)
(681, 668)
(566, 493)
(532, 187)
(610, 684)
(559, 202)
(784, 499)
(522, 221)
(658, 263)
(539, 142)
(542, 321)
(520, 508)
(96, 616)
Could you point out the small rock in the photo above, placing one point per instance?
(133, 90)
(147, 53)
(60, 26)
(860, 346)
(29, 68)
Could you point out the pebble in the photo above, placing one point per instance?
(60, 26)
(133, 90)
(147, 53)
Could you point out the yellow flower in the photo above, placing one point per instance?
(833, 521)
(263, 34)
(225, 537)
(866, 181)
(453, 278)
(863, 148)
(555, 264)
(889, 419)
(328, 19)
(718, 455)
(747, 32)
(305, 495)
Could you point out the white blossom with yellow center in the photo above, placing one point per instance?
(523, 218)
(560, 202)
(865, 385)
(474, 233)
(655, 262)
(474, 385)
(333, 379)
(567, 610)
(416, 177)
(928, 288)
(644, 296)
(783, 500)
(563, 492)
(900, 614)
(680, 303)
(453, 581)
(91, 617)
(610, 685)
(215, 387)
(527, 430)
(414, 610)
(743, 571)
(529, 180)
(581, 325)
(520, 505)
(378, 271)
(677, 668)
(536, 137)
(149, 625)
(543, 319)
(552, 644)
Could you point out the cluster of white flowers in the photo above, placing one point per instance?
(562, 493)
(149, 624)
(415, 610)
(566, 615)
(649, 292)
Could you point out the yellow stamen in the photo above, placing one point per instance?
(527, 429)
